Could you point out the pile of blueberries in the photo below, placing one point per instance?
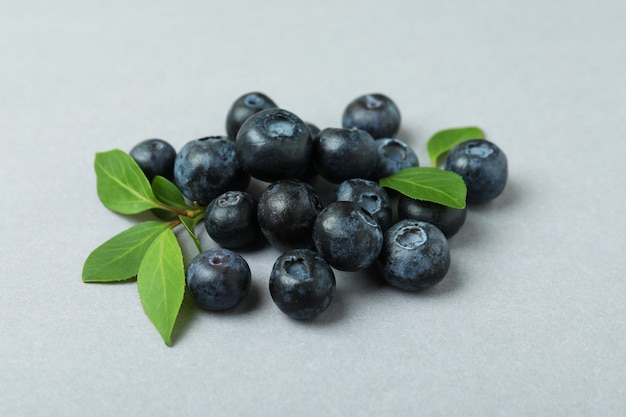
(358, 230)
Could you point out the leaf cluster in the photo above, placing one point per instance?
(148, 251)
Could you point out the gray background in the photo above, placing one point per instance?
(530, 319)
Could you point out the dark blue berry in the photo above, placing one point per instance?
(287, 210)
(393, 155)
(483, 167)
(302, 284)
(449, 220)
(347, 236)
(274, 144)
(207, 167)
(415, 255)
(374, 113)
(155, 157)
(310, 172)
(244, 107)
(231, 219)
(371, 196)
(313, 130)
(340, 154)
(218, 279)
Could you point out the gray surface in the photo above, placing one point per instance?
(530, 320)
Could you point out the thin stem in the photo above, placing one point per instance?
(175, 223)
(192, 213)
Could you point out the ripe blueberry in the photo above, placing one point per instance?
(155, 157)
(415, 255)
(347, 236)
(287, 210)
(274, 144)
(449, 220)
(231, 219)
(374, 113)
(393, 155)
(483, 167)
(302, 284)
(207, 167)
(244, 107)
(341, 154)
(218, 279)
(371, 196)
(310, 171)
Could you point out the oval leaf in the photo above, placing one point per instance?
(168, 193)
(429, 184)
(122, 185)
(118, 258)
(161, 283)
(443, 141)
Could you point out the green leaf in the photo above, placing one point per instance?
(164, 214)
(122, 185)
(118, 258)
(161, 283)
(190, 225)
(168, 193)
(443, 141)
(429, 184)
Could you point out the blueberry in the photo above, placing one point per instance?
(449, 220)
(274, 144)
(207, 167)
(244, 107)
(313, 129)
(483, 167)
(287, 210)
(340, 154)
(393, 155)
(371, 196)
(347, 236)
(415, 255)
(155, 157)
(310, 171)
(374, 113)
(231, 219)
(302, 284)
(218, 279)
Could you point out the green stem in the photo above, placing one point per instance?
(192, 213)
(175, 223)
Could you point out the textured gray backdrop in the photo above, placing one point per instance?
(530, 320)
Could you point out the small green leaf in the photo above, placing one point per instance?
(161, 283)
(164, 214)
(118, 258)
(168, 193)
(190, 225)
(443, 141)
(429, 184)
(122, 185)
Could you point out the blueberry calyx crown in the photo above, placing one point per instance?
(229, 199)
(280, 126)
(296, 267)
(373, 101)
(395, 151)
(480, 149)
(411, 237)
